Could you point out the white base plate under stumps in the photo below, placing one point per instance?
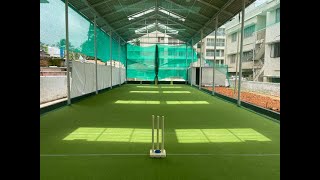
(158, 155)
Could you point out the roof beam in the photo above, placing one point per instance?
(95, 5)
(98, 15)
(180, 15)
(182, 31)
(121, 9)
(152, 13)
(135, 22)
(190, 10)
(177, 36)
(213, 18)
(156, 28)
(190, 28)
(214, 7)
(126, 18)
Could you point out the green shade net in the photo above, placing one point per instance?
(115, 49)
(171, 61)
(140, 62)
(123, 54)
(52, 23)
(81, 33)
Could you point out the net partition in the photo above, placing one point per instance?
(140, 63)
(81, 49)
(170, 61)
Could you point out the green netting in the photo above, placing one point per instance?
(81, 33)
(140, 62)
(103, 43)
(173, 62)
(52, 23)
(123, 54)
(115, 49)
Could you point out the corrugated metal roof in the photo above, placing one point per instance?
(197, 14)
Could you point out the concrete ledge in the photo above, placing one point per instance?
(46, 109)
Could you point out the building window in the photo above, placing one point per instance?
(209, 52)
(170, 52)
(247, 56)
(234, 37)
(232, 58)
(275, 50)
(275, 79)
(248, 31)
(220, 42)
(278, 15)
(221, 53)
(210, 42)
(181, 53)
(222, 62)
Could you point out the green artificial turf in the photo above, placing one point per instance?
(108, 136)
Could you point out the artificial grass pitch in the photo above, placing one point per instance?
(108, 136)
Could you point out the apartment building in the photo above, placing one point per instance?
(261, 43)
(157, 37)
(208, 48)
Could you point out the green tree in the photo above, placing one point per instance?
(62, 43)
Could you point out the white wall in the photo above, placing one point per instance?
(84, 78)
(207, 74)
(82, 81)
(52, 88)
(123, 75)
(272, 89)
(115, 76)
(104, 74)
(192, 76)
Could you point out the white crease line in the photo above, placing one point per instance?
(69, 155)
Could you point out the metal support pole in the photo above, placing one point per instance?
(158, 119)
(186, 62)
(237, 61)
(67, 51)
(152, 133)
(111, 57)
(215, 54)
(253, 53)
(162, 135)
(192, 59)
(95, 52)
(241, 53)
(126, 64)
(119, 63)
(201, 56)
